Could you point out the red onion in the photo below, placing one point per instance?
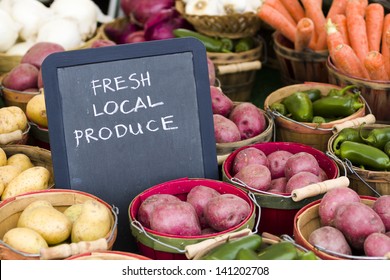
(135, 37)
(141, 10)
(118, 34)
(161, 25)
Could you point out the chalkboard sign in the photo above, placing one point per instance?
(127, 117)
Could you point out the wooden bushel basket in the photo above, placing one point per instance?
(378, 180)
(11, 209)
(107, 255)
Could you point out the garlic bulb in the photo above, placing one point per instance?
(233, 6)
(63, 31)
(9, 31)
(204, 7)
(83, 11)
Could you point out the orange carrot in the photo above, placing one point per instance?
(336, 8)
(363, 6)
(340, 21)
(277, 5)
(304, 35)
(374, 25)
(313, 10)
(357, 29)
(385, 47)
(375, 66)
(346, 60)
(294, 8)
(276, 20)
(334, 36)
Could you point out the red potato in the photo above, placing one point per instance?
(377, 245)
(323, 176)
(226, 211)
(220, 103)
(278, 185)
(357, 221)
(256, 176)
(249, 156)
(388, 233)
(299, 162)
(249, 120)
(330, 238)
(300, 180)
(147, 206)
(331, 200)
(211, 70)
(225, 130)
(21, 77)
(102, 43)
(198, 197)
(207, 231)
(382, 208)
(177, 218)
(39, 51)
(277, 162)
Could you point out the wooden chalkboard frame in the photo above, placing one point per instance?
(53, 96)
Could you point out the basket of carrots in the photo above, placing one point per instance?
(299, 40)
(359, 49)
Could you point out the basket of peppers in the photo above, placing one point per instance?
(310, 113)
(251, 246)
(364, 151)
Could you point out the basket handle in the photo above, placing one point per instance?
(319, 188)
(367, 119)
(197, 248)
(65, 250)
(239, 67)
(9, 137)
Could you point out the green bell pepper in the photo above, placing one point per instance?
(279, 251)
(378, 137)
(336, 106)
(229, 249)
(314, 94)
(299, 106)
(361, 154)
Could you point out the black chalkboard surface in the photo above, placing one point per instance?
(127, 117)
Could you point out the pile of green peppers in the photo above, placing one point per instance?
(251, 248)
(311, 106)
(364, 148)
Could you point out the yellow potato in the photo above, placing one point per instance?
(50, 223)
(35, 204)
(8, 172)
(1, 187)
(19, 117)
(93, 223)
(73, 211)
(25, 240)
(8, 122)
(36, 110)
(20, 160)
(33, 179)
(3, 157)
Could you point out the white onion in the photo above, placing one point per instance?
(204, 7)
(20, 48)
(9, 31)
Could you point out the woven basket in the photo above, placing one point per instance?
(312, 134)
(229, 26)
(378, 180)
(307, 220)
(298, 67)
(38, 157)
(236, 72)
(224, 149)
(11, 209)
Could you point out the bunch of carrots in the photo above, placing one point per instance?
(356, 33)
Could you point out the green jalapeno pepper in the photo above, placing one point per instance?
(224, 45)
(340, 92)
(361, 154)
(244, 44)
(279, 107)
(336, 106)
(318, 119)
(314, 94)
(279, 251)
(299, 106)
(386, 148)
(229, 249)
(378, 137)
(348, 134)
(246, 254)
